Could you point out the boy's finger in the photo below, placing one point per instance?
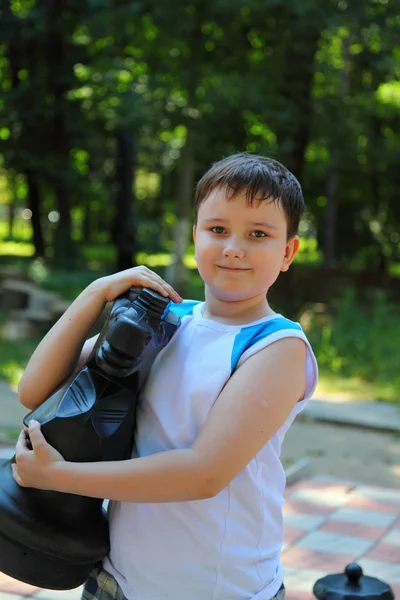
(165, 286)
(15, 474)
(21, 445)
(171, 292)
(176, 297)
(35, 434)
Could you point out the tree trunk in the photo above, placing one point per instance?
(11, 216)
(12, 207)
(34, 205)
(177, 272)
(64, 248)
(374, 145)
(330, 216)
(15, 55)
(123, 235)
(338, 140)
(89, 223)
(297, 81)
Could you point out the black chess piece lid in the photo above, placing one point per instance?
(352, 585)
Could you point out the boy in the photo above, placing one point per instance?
(197, 514)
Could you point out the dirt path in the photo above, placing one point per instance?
(345, 452)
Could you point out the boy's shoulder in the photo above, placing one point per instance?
(269, 326)
(263, 333)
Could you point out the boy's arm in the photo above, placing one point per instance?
(60, 352)
(253, 405)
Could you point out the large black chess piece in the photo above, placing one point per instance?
(51, 539)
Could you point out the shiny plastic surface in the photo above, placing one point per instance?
(53, 540)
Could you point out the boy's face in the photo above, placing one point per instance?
(241, 249)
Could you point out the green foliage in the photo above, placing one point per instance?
(14, 357)
(360, 342)
(309, 253)
(68, 284)
(312, 84)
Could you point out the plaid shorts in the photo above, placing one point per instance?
(100, 585)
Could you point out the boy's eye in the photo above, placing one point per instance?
(258, 233)
(214, 229)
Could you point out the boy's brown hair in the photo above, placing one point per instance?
(264, 179)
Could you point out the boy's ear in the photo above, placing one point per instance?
(194, 233)
(291, 250)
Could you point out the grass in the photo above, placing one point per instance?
(14, 357)
(357, 348)
(355, 388)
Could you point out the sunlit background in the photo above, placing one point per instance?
(110, 111)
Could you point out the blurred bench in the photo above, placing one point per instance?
(29, 310)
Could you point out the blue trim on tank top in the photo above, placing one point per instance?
(248, 336)
(183, 308)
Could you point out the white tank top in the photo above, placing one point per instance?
(222, 548)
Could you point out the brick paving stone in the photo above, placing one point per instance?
(393, 537)
(305, 558)
(331, 497)
(296, 595)
(380, 494)
(333, 482)
(326, 484)
(301, 580)
(369, 517)
(310, 508)
(302, 521)
(396, 590)
(396, 524)
(334, 543)
(368, 532)
(386, 571)
(364, 503)
(292, 534)
(386, 552)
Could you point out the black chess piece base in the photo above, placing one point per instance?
(41, 549)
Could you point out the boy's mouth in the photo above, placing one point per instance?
(232, 268)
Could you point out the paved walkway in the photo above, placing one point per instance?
(378, 416)
(331, 523)
(328, 522)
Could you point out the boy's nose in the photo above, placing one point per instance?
(233, 251)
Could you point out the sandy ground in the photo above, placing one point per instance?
(361, 455)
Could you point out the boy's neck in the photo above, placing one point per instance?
(236, 313)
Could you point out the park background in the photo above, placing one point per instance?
(111, 110)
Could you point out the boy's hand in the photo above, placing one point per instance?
(115, 285)
(34, 459)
